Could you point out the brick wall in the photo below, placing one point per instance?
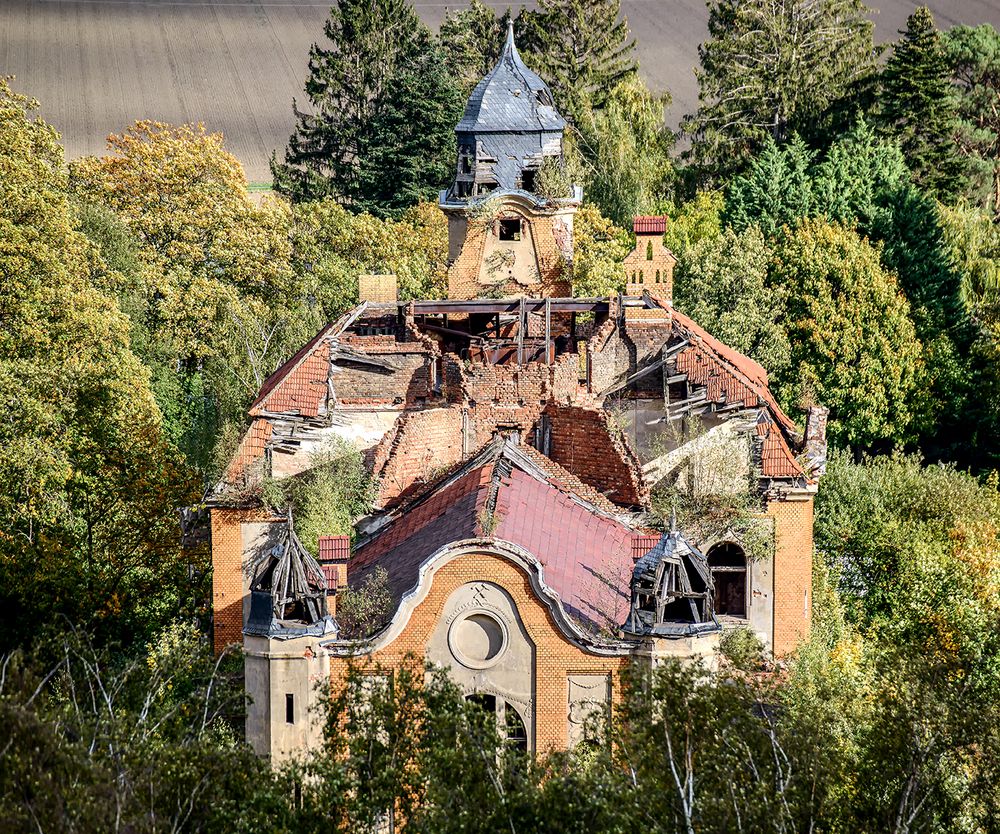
(793, 555)
(555, 656)
(473, 240)
(227, 573)
(586, 442)
(650, 271)
(419, 446)
(406, 383)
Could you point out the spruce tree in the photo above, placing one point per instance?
(920, 109)
(582, 48)
(378, 135)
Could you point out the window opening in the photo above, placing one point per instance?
(510, 229)
(649, 250)
(509, 722)
(657, 276)
(528, 179)
(728, 564)
(289, 708)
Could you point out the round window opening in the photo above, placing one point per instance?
(477, 640)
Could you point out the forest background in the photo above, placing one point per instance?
(834, 213)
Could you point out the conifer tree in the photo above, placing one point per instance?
(774, 68)
(920, 109)
(471, 39)
(974, 59)
(383, 107)
(582, 48)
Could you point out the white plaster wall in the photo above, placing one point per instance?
(512, 675)
(275, 668)
(362, 429)
(257, 538)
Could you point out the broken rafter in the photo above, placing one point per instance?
(513, 305)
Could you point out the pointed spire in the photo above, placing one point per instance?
(509, 46)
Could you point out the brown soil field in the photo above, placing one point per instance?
(236, 65)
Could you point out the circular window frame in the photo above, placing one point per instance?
(463, 658)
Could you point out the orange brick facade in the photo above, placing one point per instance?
(793, 551)
(472, 240)
(227, 572)
(556, 657)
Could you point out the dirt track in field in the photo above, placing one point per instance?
(97, 65)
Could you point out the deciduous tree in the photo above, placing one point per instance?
(626, 152)
(853, 346)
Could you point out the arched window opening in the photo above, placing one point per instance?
(509, 721)
(649, 250)
(657, 276)
(728, 564)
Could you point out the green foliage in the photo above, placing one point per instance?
(331, 247)
(328, 497)
(581, 48)
(88, 483)
(626, 151)
(364, 610)
(973, 241)
(853, 346)
(868, 516)
(209, 286)
(700, 218)
(774, 69)
(742, 648)
(775, 191)
(919, 109)
(94, 741)
(552, 179)
(471, 39)
(599, 246)
(379, 136)
(973, 55)
(850, 183)
(722, 283)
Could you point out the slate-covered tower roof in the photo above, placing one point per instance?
(510, 124)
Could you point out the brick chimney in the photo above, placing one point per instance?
(649, 268)
(815, 443)
(334, 553)
(378, 288)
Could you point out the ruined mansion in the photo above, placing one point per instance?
(515, 434)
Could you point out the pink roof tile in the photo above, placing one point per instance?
(587, 554)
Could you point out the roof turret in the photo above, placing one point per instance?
(510, 99)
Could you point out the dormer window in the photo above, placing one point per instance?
(510, 229)
(528, 179)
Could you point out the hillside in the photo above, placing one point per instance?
(96, 65)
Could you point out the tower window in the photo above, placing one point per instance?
(510, 229)
(289, 708)
(657, 276)
(728, 564)
(649, 251)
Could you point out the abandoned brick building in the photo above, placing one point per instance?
(514, 434)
